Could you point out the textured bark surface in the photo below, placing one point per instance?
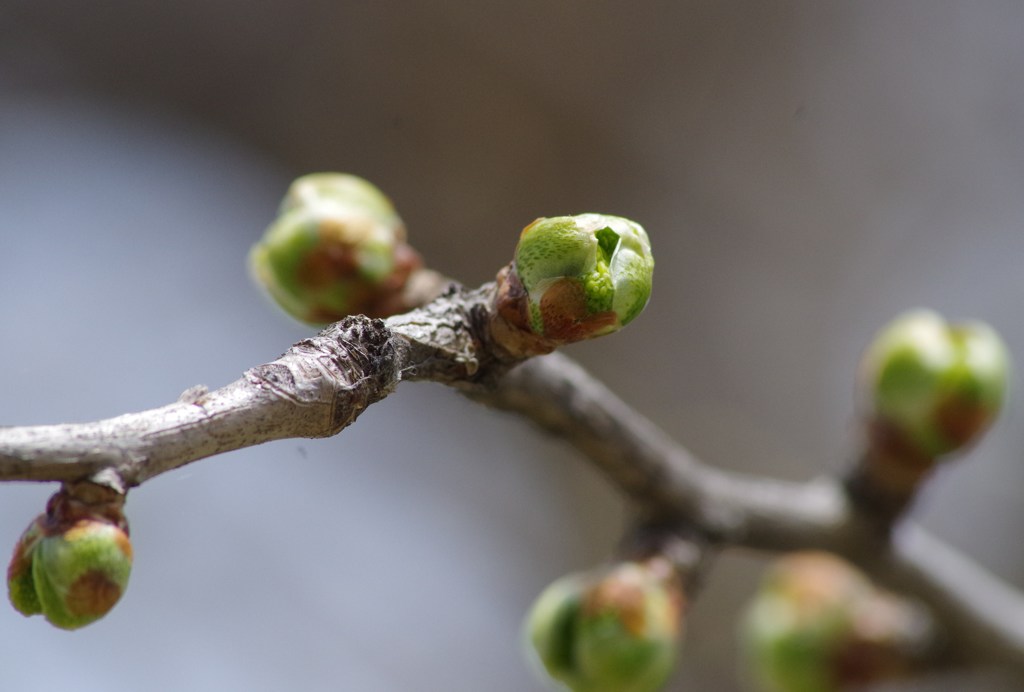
(315, 389)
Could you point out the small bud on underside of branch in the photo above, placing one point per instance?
(818, 625)
(337, 248)
(614, 630)
(932, 388)
(71, 564)
(574, 278)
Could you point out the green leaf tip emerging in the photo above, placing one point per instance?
(336, 248)
(588, 274)
(577, 277)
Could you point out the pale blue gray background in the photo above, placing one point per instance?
(806, 170)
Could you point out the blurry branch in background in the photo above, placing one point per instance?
(978, 620)
(338, 252)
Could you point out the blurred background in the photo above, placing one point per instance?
(806, 171)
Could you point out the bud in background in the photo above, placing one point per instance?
(72, 564)
(931, 388)
(615, 630)
(337, 248)
(342, 188)
(818, 625)
(576, 277)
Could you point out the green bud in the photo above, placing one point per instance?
(21, 588)
(936, 386)
(337, 248)
(343, 189)
(80, 573)
(818, 625)
(72, 563)
(584, 275)
(610, 632)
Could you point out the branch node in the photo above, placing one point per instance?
(194, 394)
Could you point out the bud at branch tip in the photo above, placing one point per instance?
(575, 278)
(932, 387)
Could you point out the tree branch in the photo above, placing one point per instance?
(981, 619)
(655, 473)
(322, 384)
(316, 389)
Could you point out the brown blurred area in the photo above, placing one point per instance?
(806, 170)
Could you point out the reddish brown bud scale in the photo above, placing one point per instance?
(565, 315)
(92, 595)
